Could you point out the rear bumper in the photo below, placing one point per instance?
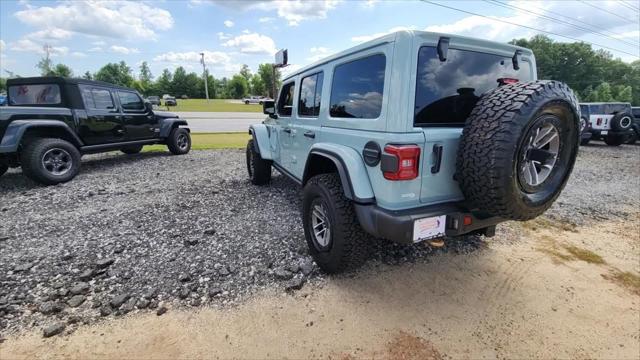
(397, 226)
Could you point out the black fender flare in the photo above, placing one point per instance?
(16, 130)
(166, 125)
(343, 173)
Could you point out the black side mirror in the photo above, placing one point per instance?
(148, 106)
(269, 108)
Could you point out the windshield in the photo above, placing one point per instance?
(40, 94)
(447, 91)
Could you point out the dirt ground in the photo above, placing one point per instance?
(559, 291)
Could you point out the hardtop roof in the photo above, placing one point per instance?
(61, 80)
(388, 38)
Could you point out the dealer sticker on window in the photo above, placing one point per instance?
(429, 228)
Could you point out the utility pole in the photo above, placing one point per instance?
(204, 75)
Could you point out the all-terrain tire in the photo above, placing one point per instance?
(133, 149)
(614, 140)
(3, 169)
(621, 121)
(493, 148)
(179, 141)
(259, 169)
(37, 155)
(349, 245)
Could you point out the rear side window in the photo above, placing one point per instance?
(447, 91)
(357, 88)
(130, 101)
(96, 98)
(37, 94)
(310, 95)
(285, 102)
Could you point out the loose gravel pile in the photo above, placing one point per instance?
(152, 232)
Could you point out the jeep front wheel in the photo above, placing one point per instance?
(179, 141)
(334, 236)
(50, 161)
(130, 150)
(518, 149)
(259, 169)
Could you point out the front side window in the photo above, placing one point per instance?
(447, 91)
(285, 102)
(310, 95)
(130, 101)
(37, 94)
(357, 88)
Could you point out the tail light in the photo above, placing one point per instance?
(599, 121)
(505, 81)
(400, 162)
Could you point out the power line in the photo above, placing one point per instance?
(607, 11)
(629, 6)
(527, 27)
(495, 2)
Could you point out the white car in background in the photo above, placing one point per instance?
(255, 100)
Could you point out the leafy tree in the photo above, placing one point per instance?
(3, 84)
(145, 73)
(61, 70)
(115, 73)
(245, 72)
(45, 65)
(163, 85)
(266, 74)
(257, 86)
(238, 87)
(87, 75)
(602, 92)
(179, 83)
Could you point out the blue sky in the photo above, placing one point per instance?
(87, 34)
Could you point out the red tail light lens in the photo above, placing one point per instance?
(405, 166)
(505, 81)
(599, 121)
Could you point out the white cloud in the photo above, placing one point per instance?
(96, 49)
(116, 19)
(212, 58)
(222, 36)
(78, 54)
(28, 45)
(123, 50)
(52, 35)
(99, 43)
(3, 45)
(265, 19)
(364, 38)
(252, 43)
(290, 69)
(228, 23)
(318, 53)
(293, 11)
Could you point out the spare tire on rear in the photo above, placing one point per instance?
(518, 148)
(622, 121)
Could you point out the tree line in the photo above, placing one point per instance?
(595, 75)
(178, 83)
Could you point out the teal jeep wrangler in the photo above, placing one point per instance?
(416, 136)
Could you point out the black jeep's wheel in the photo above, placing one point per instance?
(179, 141)
(518, 148)
(334, 236)
(614, 140)
(259, 170)
(50, 161)
(584, 127)
(3, 169)
(621, 121)
(246, 102)
(133, 149)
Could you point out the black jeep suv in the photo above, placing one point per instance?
(50, 122)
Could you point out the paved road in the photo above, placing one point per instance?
(221, 121)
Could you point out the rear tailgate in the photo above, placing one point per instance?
(438, 166)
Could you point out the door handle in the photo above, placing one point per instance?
(437, 153)
(310, 134)
(287, 130)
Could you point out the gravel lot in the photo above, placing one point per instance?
(152, 232)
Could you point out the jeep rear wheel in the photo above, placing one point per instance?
(179, 141)
(334, 236)
(614, 140)
(518, 149)
(259, 170)
(50, 161)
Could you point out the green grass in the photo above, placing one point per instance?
(214, 105)
(209, 141)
